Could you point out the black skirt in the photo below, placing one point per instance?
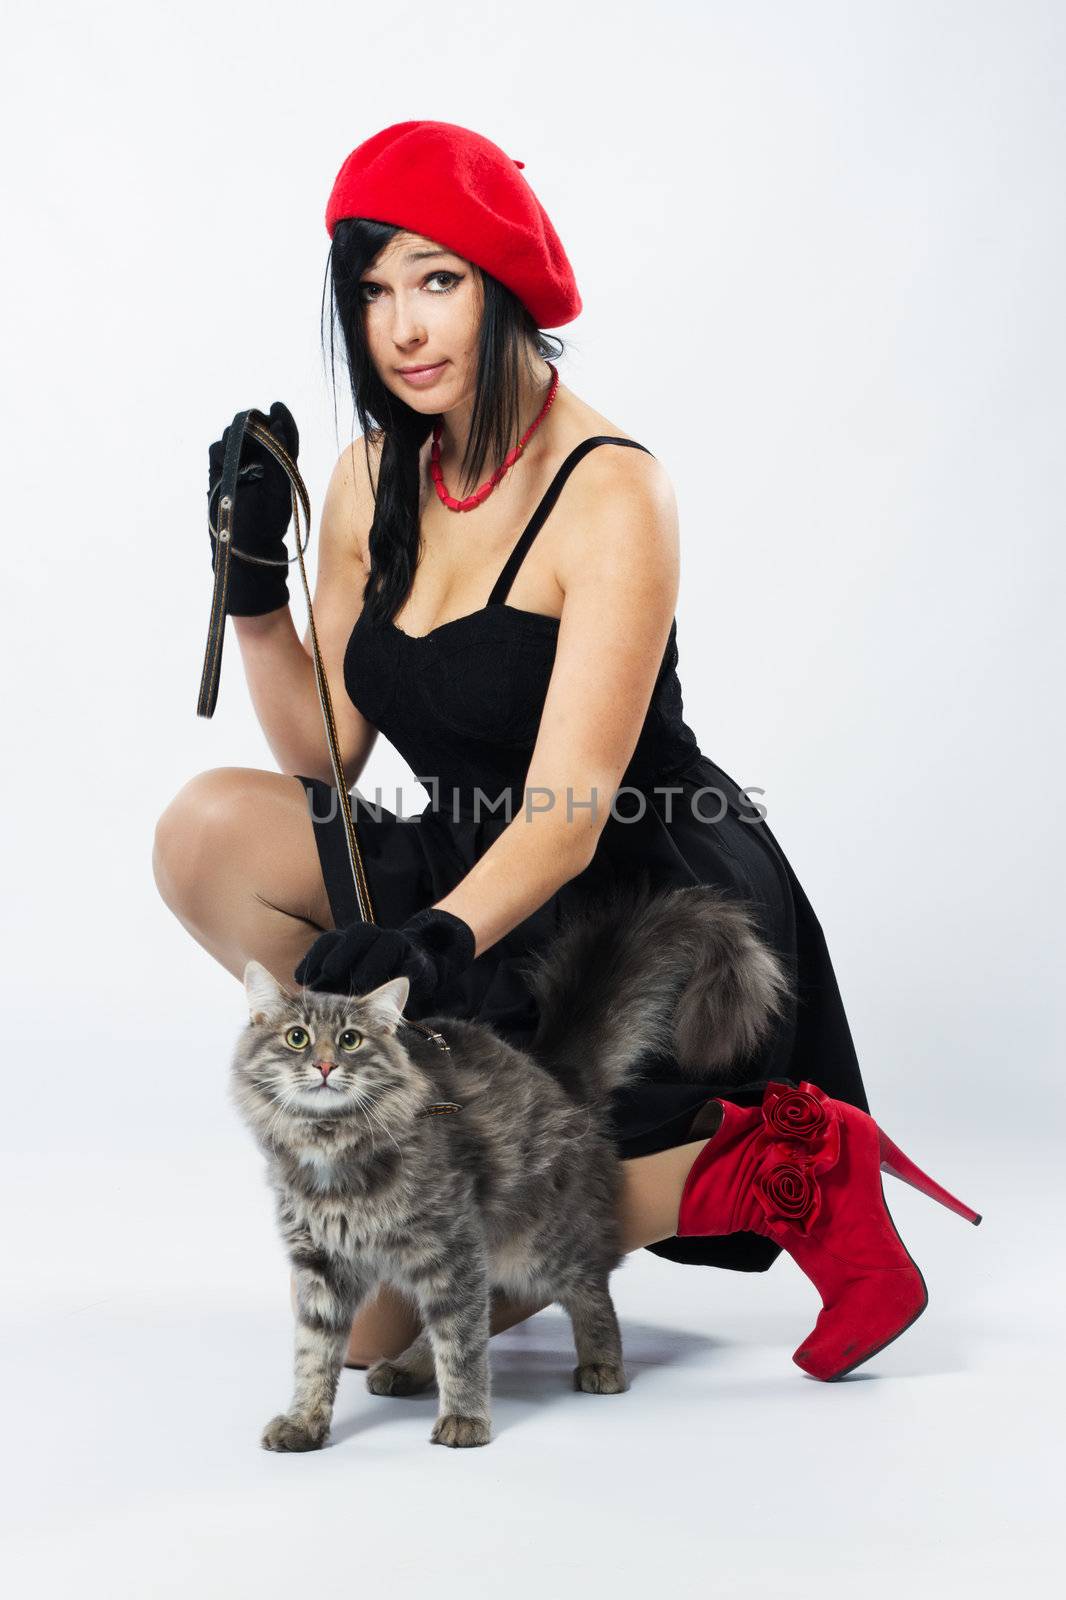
(705, 831)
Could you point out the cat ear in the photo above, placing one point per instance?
(385, 1004)
(266, 997)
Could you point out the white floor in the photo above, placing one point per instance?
(147, 1341)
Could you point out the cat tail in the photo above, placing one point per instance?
(642, 972)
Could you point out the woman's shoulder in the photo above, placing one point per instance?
(621, 502)
(349, 501)
(604, 464)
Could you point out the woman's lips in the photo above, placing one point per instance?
(422, 379)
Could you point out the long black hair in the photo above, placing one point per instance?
(507, 335)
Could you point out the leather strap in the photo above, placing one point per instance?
(254, 424)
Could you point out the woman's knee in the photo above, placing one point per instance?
(382, 1322)
(382, 1328)
(208, 813)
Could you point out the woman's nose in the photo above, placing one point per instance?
(406, 328)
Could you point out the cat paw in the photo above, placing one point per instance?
(460, 1431)
(290, 1432)
(600, 1377)
(385, 1377)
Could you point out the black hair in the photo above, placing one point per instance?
(507, 333)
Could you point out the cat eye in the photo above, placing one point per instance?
(350, 1039)
(297, 1038)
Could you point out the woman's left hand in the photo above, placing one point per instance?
(431, 949)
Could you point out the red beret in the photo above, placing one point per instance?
(460, 189)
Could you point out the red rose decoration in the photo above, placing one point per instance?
(789, 1193)
(793, 1113)
(800, 1138)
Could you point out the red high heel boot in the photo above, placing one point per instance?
(805, 1169)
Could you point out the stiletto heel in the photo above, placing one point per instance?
(902, 1167)
(805, 1169)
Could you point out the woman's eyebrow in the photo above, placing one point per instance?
(422, 255)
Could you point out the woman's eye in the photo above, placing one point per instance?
(456, 277)
(350, 1039)
(297, 1038)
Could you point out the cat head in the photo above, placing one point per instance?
(314, 1068)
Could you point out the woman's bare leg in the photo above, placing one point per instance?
(234, 858)
(651, 1198)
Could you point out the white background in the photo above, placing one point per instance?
(820, 248)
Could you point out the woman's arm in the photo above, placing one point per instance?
(619, 573)
(280, 668)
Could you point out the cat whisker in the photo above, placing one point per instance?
(387, 1130)
(373, 1145)
(283, 1099)
(575, 1138)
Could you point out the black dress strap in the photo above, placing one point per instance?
(502, 586)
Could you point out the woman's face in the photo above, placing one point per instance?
(422, 307)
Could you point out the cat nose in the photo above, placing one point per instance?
(325, 1067)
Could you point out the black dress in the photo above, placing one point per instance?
(462, 705)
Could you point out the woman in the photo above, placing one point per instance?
(530, 679)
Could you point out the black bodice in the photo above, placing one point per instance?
(462, 703)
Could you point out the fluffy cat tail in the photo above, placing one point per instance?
(645, 972)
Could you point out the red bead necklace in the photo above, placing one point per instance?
(512, 456)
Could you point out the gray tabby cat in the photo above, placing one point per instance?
(519, 1190)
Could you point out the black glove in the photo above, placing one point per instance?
(262, 513)
(432, 949)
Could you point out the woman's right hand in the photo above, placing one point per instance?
(262, 514)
